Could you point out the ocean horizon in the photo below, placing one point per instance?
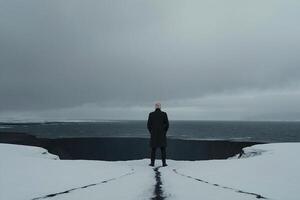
(258, 131)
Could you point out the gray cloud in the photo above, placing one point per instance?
(100, 55)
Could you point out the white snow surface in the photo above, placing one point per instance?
(31, 172)
(269, 170)
(274, 173)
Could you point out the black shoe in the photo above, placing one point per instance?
(165, 164)
(152, 165)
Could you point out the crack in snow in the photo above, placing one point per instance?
(258, 196)
(83, 187)
(158, 192)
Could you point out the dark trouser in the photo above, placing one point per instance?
(163, 155)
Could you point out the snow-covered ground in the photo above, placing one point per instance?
(31, 172)
(268, 171)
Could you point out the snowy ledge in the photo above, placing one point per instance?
(269, 171)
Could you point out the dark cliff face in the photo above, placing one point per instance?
(112, 149)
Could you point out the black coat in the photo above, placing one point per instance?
(158, 125)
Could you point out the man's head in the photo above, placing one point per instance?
(157, 105)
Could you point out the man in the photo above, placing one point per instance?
(158, 125)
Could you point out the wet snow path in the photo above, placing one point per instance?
(258, 196)
(158, 191)
(83, 187)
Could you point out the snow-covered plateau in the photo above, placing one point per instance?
(267, 171)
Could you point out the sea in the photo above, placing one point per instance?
(261, 131)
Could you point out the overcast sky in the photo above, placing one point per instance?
(203, 60)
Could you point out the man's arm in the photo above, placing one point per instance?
(166, 122)
(149, 124)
